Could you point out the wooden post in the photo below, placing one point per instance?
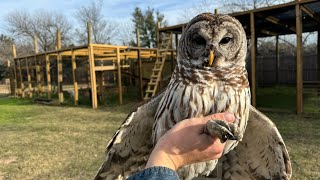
(119, 76)
(299, 59)
(172, 57)
(140, 74)
(89, 41)
(21, 80)
(29, 79)
(48, 76)
(36, 63)
(101, 89)
(158, 35)
(138, 37)
(93, 81)
(59, 68)
(101, 84)
(35, 43)
(74, 78)
(14, 54)
(15, 77)
(58, 40)
(216, 11)
(253, 59)
(177, 44)
(277, 59)
(89, 31)
(139, 64)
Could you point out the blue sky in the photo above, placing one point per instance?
(113, 9)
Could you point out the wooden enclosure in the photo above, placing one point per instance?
(295, 17)
(34, 73)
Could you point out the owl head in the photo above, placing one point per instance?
(211, 41)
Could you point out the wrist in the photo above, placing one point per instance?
(162, 156)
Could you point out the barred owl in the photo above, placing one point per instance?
(210, 77)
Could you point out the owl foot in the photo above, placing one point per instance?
(221, 129)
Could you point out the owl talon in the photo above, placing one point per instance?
(221, 129)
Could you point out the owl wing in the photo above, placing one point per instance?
(128, 150)
(261, 154)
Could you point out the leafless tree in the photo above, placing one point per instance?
(230, 6)
(45, 24)
(225, 6)
(125, 33)
(103, 31)
(198, 7)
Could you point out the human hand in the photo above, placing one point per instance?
(186, 143)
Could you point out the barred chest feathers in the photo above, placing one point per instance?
(199, 92)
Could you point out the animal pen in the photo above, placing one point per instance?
(37, 73)
(296, 17)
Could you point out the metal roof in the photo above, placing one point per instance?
(274, 20)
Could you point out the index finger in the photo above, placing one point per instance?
(228, 117)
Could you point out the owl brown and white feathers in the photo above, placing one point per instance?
(198, 88)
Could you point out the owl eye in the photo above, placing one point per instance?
(225, 40)
(198, 40)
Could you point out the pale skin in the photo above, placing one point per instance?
(186, 143)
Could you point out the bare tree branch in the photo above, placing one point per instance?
(231, 6)
(45, 24)
(103, 31)
(200, 7)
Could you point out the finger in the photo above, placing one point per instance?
(213, 143)
(229, 117)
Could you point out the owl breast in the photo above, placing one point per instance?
(200, 96)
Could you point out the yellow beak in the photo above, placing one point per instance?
(211, 58)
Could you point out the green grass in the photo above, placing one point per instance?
(50, 142)
(284, 97)
(302, 137)
(60, 142)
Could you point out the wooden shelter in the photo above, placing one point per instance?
(294, 17)
(100, 58)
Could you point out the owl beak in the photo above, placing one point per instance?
(211, 57)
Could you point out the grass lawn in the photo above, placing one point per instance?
(51, 142)
(285, 98)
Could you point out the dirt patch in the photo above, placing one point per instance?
(2, 175)
(4, 162)
(7, 161)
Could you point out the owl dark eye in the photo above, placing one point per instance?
(225, 40)
(198, 40)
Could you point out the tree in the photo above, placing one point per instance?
(5, 54)
(146, 23)
(125, 33)
(103, 31)
(45, 24)
(230, 6)
(6, 43)
(200, 7)
(225, 6)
